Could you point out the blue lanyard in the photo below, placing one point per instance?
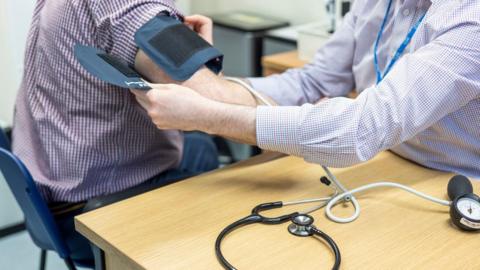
(400, 50)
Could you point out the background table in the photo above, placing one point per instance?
(175, 227)
(278, 63)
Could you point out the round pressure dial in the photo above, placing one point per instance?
(465, 212)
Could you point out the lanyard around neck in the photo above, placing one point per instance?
(399, 51)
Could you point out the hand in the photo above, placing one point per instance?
(175, 107)
(202, 25)
(322, 100)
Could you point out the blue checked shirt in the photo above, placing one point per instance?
(427, 109)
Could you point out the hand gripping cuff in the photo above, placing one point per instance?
(176, 49)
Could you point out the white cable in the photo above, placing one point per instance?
(314, 209)
(332, 202)
(347, 195)
(326, 199)
(334, 179)
(250, 89)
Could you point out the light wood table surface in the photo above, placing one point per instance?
(175, 227)
(278, 63)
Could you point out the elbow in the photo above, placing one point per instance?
(339, 157)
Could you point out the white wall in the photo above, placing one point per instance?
(296, 12)
(14, 23)
(6, 66)
(184, 5)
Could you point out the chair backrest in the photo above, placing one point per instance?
(4, 141)
(39, 220)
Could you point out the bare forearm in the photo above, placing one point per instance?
(235, 122)
(215, 87)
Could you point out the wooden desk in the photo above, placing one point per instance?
(175, 227)
(278, 63)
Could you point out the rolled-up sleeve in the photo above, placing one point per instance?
(424, 87)
(327, 76)
(118, 20)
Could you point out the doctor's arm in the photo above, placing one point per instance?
(421, 89)
(330, 74)
(327, 76)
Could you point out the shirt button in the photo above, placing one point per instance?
(406, 12)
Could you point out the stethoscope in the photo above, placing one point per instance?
(464, 205)
(301, 225)
(464, 211)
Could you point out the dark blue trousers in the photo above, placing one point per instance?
(200, 155)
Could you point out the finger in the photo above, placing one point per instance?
(166, 87)
(141, 97)
(202, 25)
(198, 19)
(156, 97)
(159, 86)
(139, 94)
(163, 127)
(145, 104)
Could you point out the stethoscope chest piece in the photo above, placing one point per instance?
(301, 226)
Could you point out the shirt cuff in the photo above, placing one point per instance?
(277, 129)
(123, 33)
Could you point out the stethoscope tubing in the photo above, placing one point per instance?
(255, 218)
(218, 242)
(332, 244)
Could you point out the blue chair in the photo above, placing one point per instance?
(4, 141)
(39, 221)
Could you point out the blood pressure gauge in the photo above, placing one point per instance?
(465, 212)
(465, 208)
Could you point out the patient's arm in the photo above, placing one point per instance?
(205, 82)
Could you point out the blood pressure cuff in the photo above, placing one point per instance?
(109, 68)
(176, 49)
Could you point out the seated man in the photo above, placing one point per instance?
(417, 72)
(82, 138)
